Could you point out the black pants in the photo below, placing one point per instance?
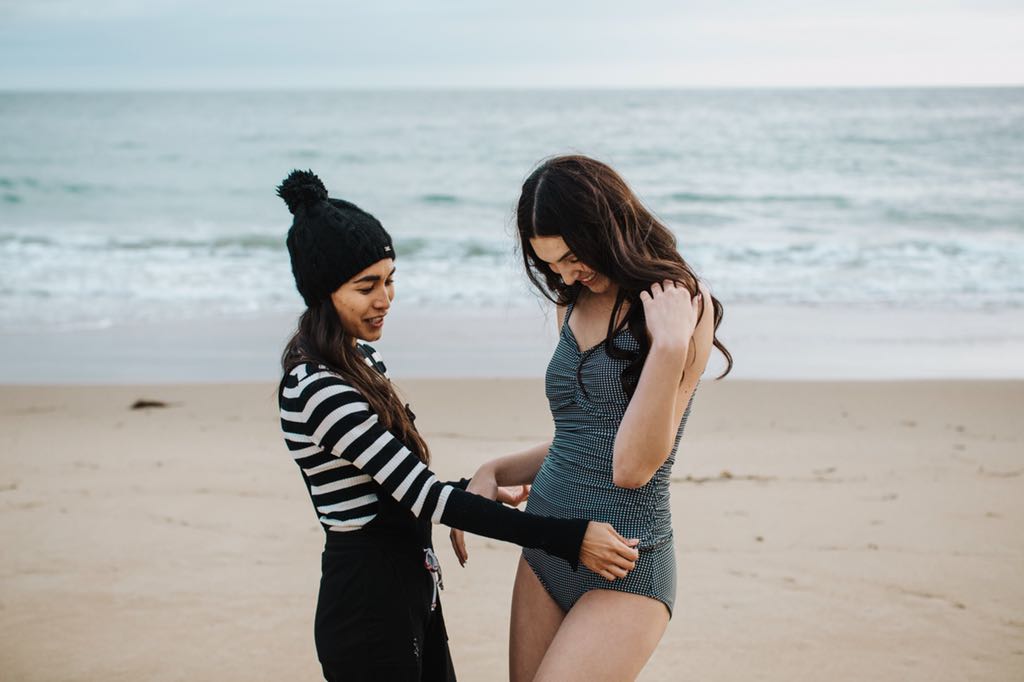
(374, 620)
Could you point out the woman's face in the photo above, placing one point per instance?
(563, 262)
(363, 301)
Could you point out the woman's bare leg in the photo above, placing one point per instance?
(607, 635)
(534, 622)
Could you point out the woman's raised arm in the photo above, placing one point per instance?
(648, 429)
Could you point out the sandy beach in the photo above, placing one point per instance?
(824, 530)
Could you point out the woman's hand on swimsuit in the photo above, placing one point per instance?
(671, 313)
(483, 484)
(607, 553)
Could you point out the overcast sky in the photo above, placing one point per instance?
(171, 44)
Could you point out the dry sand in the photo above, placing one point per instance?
(825, 531)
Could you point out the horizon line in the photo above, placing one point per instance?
(490, 88)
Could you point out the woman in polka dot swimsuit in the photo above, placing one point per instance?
(634, 339)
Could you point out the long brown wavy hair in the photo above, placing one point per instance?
(590, 206)
(320, 339)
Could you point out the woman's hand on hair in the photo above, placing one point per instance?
(483, 484)
(671, 314)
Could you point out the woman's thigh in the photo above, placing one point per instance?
(607, 635)
(534, 622)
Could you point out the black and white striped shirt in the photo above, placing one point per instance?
(348, 460)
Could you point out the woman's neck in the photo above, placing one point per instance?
(606, 297)
(602, 303)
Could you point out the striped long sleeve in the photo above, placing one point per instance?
(348, 459)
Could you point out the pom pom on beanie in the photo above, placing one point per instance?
(301, 189)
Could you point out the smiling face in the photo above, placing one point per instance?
(563, 262)
(363, 301)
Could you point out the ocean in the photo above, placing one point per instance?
(137, 208)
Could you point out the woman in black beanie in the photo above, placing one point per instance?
(378, 613)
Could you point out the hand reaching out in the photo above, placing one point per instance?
(607, 553)
(603, 551)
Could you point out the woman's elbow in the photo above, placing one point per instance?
(629, 476)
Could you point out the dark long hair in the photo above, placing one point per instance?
(321, 339)
(602, 221)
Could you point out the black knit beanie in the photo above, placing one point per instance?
(330, 240)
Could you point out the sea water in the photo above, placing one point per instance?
(160, 207)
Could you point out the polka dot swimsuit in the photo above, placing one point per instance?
(575, 480)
